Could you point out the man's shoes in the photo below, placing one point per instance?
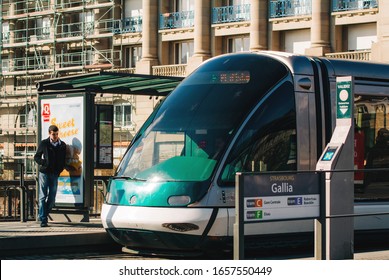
(44, 224)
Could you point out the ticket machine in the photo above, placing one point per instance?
(334, 232)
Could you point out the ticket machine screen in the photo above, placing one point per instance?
(329, 154)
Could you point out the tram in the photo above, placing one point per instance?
(258, 111)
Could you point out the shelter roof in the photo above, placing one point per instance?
(109, 82)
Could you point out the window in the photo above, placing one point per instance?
(238, 2)
(5, 32)
(25, 154)
(5, 65)
(132, 56)
(89, 22)
(133, 8)
(89, 57)
(42, 28)
(297, 41)
(122, 115)
(27, 116)
(268, 141)
(187, 136)
(238, 44)
(361, 36)
(185, 5)
(371, 145)
(183, 51)
(1, 164)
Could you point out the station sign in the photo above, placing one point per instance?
(279, 197)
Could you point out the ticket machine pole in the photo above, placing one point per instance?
(334, 233)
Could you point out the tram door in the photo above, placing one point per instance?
(371, 145)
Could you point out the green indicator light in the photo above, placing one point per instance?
(214, 78)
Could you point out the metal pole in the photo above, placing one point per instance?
(320, 223)
(22, 195)
(239, 218)
(1, 43)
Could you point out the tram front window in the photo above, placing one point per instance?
(191, 130)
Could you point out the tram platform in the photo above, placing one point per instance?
(28, 237)
(25, 238)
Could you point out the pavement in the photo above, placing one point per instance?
(24, 238)
(28, 237)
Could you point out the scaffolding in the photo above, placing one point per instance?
(43, 39)
(47, 36)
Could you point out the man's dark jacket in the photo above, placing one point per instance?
(53, 160)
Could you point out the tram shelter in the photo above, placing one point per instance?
(87, 129)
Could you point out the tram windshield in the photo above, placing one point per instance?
(186, 136)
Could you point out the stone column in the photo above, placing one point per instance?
(258, 25)
(149, 37)
(11, 31)
(202, 34)
(12, 8)
(320, 30)
(379, 50)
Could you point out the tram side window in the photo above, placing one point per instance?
(371, 147)
(268, 142)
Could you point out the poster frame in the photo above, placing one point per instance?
(87, 140)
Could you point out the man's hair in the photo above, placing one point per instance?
(53, 128)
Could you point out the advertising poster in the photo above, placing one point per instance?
(68, 114)
(105, 153)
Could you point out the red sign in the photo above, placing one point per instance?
(359, 154)
(46, 112)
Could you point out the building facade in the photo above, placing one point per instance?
(44, 39)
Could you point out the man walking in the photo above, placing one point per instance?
(51, 159)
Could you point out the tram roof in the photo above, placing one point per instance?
(109, 82)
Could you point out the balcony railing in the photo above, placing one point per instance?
(183, 19)
(62, 31)
(128, 25)
(26, 6)
(350, 5)
(87, 58)
(21, 7)
(69, 30)
(131, 70)
(44, 63)
(66, 4)
(354, 55)
(290, 8)
(175, 70)
(231, 14)
(40, 63)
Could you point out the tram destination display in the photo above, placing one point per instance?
(278, 197)
(220, 77)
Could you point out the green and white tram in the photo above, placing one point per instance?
(260, 111)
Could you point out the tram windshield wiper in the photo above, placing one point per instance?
(128, 178)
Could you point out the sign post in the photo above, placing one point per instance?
(263, 197)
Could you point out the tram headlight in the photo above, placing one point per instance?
(178, 200)
(132, 199)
